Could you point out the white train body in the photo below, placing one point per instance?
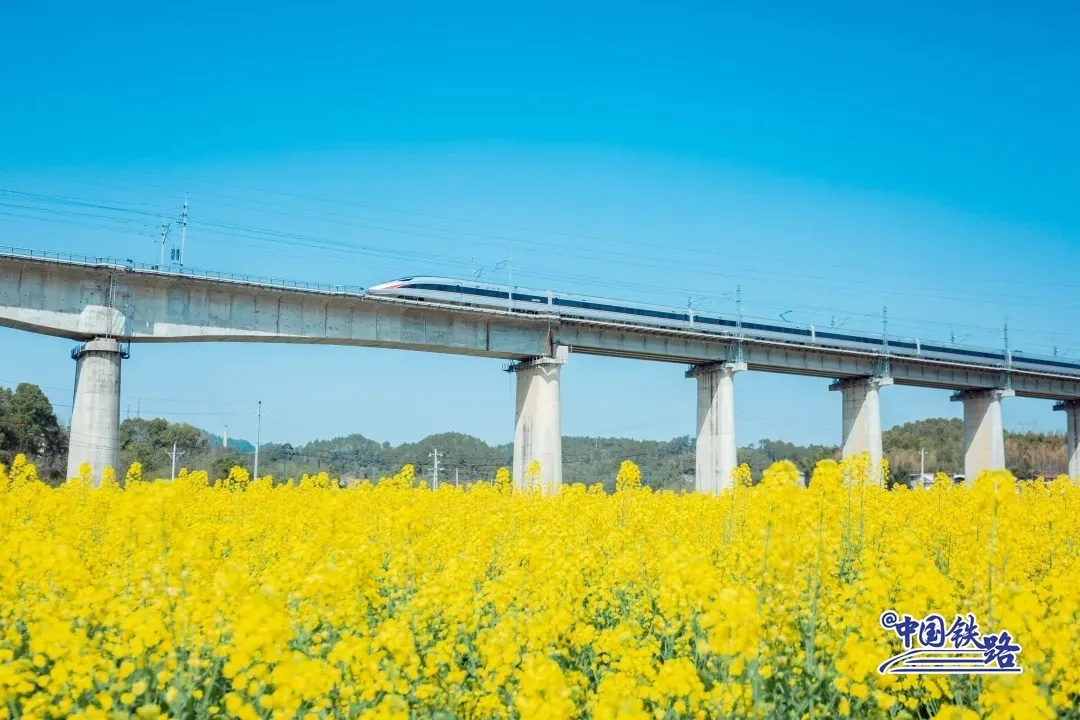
(487, 295)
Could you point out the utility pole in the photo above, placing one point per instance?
(738, 308)
(885, 328)
(183, 231)
(922, 466)
(1008, 354)
(164, 234)
(738, 321)
(456, 476)
(886, 369)
(510, 292)
(1008, 357)
(435, 469)
(258, 439)
(174, 455)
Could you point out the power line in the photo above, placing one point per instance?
(311, 241)
(302, 240)
(607, 254)
(725, 254)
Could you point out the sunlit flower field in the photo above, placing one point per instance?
(243, 598)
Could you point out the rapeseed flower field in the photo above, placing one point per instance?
(242, 598)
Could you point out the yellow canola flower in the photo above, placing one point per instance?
(242, 598)
(629, 477)
(503, 482)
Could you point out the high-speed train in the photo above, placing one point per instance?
(477, 294)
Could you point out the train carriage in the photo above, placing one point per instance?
(488, 295)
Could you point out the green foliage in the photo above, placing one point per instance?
(29, 426)
(664, 464)
(356, 456)
(1027, 455)
(224, 460)
(218, 441)
(759, 457)
(942, 438)
(149, 442)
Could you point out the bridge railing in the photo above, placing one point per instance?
(176, 270)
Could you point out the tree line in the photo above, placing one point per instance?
(28, 425)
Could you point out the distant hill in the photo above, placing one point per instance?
(1027, 454)
(235, 443)
(356, 456)
(663, 463)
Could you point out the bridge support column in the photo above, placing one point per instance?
(1072, 434)
(537, 424)
(95, 414)
(862, 416)
(984, 434)
(717, 454)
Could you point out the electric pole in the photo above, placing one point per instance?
(456, 477)
(922, 466)
(258, 439)
(164, 234)
(738, 308)
(183, 232)
(435, 469)
(886, 367)
(738, 324)
(885, 328)
(1008, 354)
(174, 455)
(510, 290)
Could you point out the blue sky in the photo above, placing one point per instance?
(830, 159)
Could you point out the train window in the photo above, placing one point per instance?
(848, 338)
(484, 292)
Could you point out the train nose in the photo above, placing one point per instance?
(386, 286)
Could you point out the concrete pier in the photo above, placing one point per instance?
(861, 416)
(717, 454)
(984, 434)
(1072, 434)
(95, 413)
(537, 424)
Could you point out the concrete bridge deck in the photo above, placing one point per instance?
(90, 299)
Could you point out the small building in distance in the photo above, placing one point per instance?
(924, 480)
